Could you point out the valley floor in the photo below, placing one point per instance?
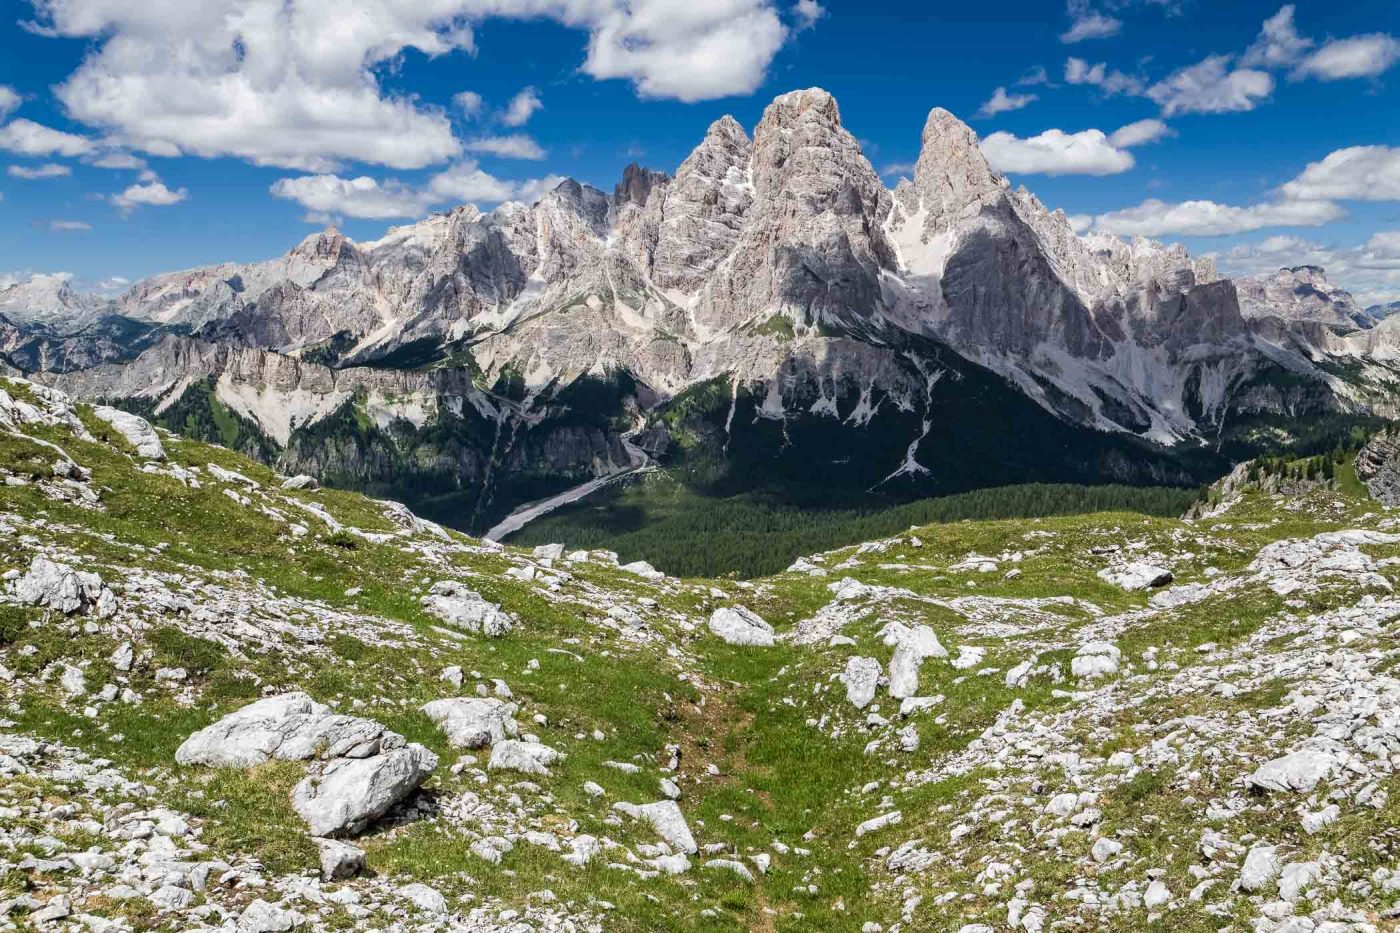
(1100, 721)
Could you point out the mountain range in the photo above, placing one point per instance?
(771, 317)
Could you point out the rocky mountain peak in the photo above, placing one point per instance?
(637, 184)
(583, 201)
(47, 299)
(322, 248)
(952, 177)
(693, 224)
(726, 129)
(800, 137)
(814, 102)
(812, 245)
(1300, 293)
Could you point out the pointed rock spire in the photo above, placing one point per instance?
(636, 185)
(695, 226)
(952, 176)
(812, 245)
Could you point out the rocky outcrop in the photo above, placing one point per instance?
(474, 722)
(136, 430)
(465, 608)
(740, 626)
(1378, 466)
(525, 757)
(1136, 575)
(51, 585)
(666, 818)
(359, 769)
(342, 796)
(636, 186)
(862, 679)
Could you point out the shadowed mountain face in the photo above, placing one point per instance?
(771, 315)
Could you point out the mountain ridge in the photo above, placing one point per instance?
(781, 267)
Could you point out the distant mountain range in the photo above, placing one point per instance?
(770, 317)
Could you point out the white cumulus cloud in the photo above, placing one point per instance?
(522, 107)
(1139, 133)
(1212, 86)
(1154, 218)
(807, 12)
(47, 170)
(305, 83)
(1364, 173)
(1279, 44)
(680, 48)
(1088, 24)
(1385, 245)
(353, 197)
(469, 102)
(1055, 152)
(514, 146)
(150, 194)
(468, 183)
(1357, 57)
(9, 100)
(325, 196)
(1002, 102)
(34, 139)
(1111, 82)
(117, 160)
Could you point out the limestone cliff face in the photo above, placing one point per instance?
(1378, 466)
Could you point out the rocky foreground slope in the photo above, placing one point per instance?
(236, 701)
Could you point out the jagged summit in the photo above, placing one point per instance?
(952, 177)
(636, 185)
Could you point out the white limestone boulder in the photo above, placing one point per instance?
(425, 898)
(666, 818)
(263, 917)
(862, 678)
(474, 722)
(913, 646)
(740, 626)
(525, 757)
(344, 795)
(1095, 659)
(646, 571)
(1137, 575)
(360, 769)
(1299, 772)
(1261, 866)
(136, 430)
(460, 605)
(340, 860)
(52, 585)
(288, 727)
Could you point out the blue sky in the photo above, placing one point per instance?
(148, 135)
